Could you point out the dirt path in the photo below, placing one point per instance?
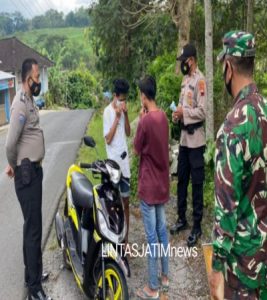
(187, 274)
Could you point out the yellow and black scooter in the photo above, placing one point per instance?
(92, 230)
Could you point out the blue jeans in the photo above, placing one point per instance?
(157, 238)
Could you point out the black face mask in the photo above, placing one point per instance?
(229, 84)
(35, 88)
(185, 68)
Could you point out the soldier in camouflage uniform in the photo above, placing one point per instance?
(240, 228)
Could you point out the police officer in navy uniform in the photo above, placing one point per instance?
(191, 112)
(25, 151)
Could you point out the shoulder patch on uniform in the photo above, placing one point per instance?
(201, 86)
(22, 119)
(22, 97)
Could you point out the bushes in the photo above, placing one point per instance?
(82, 89)
(168, 86)
(56, 95)
(77, 89)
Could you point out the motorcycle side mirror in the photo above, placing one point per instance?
(89, 141)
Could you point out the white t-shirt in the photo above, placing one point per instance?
(119, 144)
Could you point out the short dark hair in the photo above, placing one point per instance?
(121, 86)
(27, 67)
(148, 86)
(243, 65)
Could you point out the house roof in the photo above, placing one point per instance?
(13, 52)
(4, 75)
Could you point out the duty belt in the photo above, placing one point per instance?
(191, 127)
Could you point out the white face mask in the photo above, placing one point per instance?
(118, 103)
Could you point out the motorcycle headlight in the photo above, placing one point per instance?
(104, 228)
(106, 232)
(114, 174)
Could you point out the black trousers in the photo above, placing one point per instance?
(191, 162)
(30, 199)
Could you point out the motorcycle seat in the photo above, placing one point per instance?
(82, 191)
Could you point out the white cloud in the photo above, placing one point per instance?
(65, 6)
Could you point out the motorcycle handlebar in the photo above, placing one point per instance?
(85, 166)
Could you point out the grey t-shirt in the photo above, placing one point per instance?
(25, 137)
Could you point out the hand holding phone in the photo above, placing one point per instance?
(173, 106)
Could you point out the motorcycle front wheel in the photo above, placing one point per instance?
(115, 283)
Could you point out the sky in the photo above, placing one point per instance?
(31, 8)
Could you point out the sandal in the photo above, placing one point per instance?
(164, 286)
(142, 294)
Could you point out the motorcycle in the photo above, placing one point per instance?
(92, 229)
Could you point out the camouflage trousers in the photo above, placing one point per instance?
(236, 290)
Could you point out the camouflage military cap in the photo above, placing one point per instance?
(239, 44)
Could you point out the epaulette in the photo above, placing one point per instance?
(22, 97)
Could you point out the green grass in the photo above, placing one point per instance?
(31, 36)
(87, 154)
(133, 110)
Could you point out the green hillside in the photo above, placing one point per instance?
(74, 34)
(68, 47)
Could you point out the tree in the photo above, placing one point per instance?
(6, 24)
(180, 11)
(82, 17)
(53, 43)
(70, 19)
(19, 21)
(250, 9)
(123, 42)
(54, 18)
(209, 69)
(40, 22)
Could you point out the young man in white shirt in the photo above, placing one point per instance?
(116, 127)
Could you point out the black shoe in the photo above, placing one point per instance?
(178, 226)
(38, 296)
(44, 278)
(193, 237)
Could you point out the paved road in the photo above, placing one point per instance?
(63, 133)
